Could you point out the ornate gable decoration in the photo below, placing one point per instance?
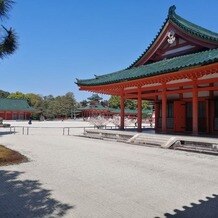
(171, 37)
(177, 37)
(179, 45)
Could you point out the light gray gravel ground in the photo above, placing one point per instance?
(72, 176)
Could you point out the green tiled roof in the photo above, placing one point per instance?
(113, 110)
(160, 67)
(14, 105)
(129, 111)
(185, 25)
(95, 97)
(191, 27)
(93, 107)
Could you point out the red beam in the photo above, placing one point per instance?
(183, 74)
(139, 110)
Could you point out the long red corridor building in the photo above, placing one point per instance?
(178, 72)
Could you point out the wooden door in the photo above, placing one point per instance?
(179, 116)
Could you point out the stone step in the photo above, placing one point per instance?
(93, 135)
(154, 139)
(148, 139)
(104, 134)
(185, 143)
(197, 149)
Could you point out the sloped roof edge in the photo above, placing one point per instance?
(156, 68)
(185, 25)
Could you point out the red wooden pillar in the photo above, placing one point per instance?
(122, 111)
(211, 109)
(139, 110)
(207, 116)
(156, 110)
(181, 94)
(195, 109)
(164, 110)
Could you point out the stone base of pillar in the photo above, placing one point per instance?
(139, 130)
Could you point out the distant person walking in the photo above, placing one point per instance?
(30, 121)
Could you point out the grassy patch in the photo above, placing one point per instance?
(8, 156)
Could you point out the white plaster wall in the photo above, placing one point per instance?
(173, 97)
(170, 97)
(187, 95)
(129, 88)
(179, 81)
(214, 75)
(150, 85)
(203, 94)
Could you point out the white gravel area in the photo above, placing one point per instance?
(71, 176)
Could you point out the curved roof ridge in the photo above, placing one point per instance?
(184, 24)
(194, 28)
(149, 46)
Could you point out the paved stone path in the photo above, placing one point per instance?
(71, 176)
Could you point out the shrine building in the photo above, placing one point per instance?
(15, 109)
(178, 72)
(94, 108)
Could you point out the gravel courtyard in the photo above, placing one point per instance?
(71, 176)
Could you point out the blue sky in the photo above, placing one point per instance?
(60, 40)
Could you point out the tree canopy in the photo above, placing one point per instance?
(8, 39)
(60, 106)
(17, 95)
(65, 105)
(114, 102)
(47, 106)
(4, 94)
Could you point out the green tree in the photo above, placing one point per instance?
(69, 104)
(4, 94)
(114, 102)
(48, 98)
(47, 106)
(35, 101)
(60, 106)
(17, 95)
(49, 109)
(145, 104)
(131, 104)
(8, 39)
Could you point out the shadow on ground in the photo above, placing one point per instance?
(205, 208)
(26, 198)
(5, 133)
